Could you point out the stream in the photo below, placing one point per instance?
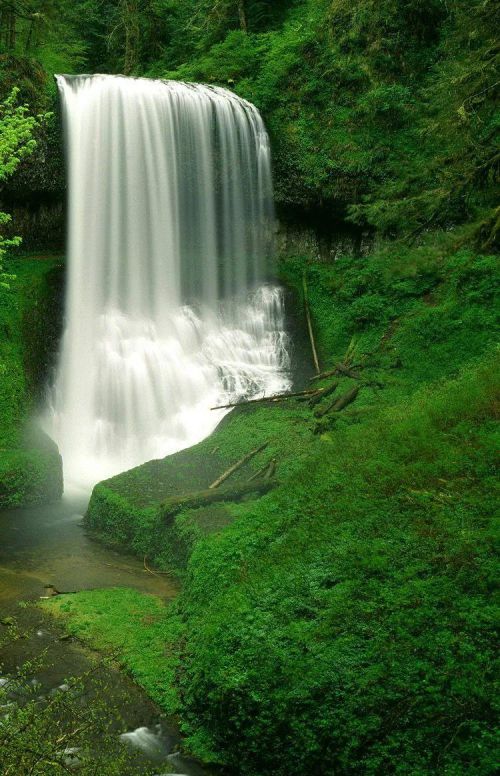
(47, 545)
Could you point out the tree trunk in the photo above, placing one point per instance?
(132, 35)
(173, 506)
(339, 404)
(236, 466)
(309, 324)
(278, 397)
(242, 15)
(12, 31)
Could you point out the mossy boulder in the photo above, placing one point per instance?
(31, 476)
(130, 510)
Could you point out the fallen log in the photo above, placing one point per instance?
(339, 404)
(236, 466)
(53, 591)
(327, 392)
(339, 369)
(309, 323)
(276, 397)
(172, 506)
(342, 369)
(271, 470)
(259, 473)
(323, 375)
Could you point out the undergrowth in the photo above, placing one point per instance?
(344, 622)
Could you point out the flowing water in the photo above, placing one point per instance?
(44, 546)
(168, 312)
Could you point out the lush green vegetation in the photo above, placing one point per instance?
(30, 465)
(342, 623)
(381, 112)
(132, 627)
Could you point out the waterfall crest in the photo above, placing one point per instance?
(169, 232)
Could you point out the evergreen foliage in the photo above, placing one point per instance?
(16, 142)
(344, 623)
(383, 112)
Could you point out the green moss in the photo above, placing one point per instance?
(127, 509)
(348, 614)
(29, 477)
(345, 617)
(140, 631)
(30, 320)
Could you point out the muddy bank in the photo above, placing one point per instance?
(47, 545)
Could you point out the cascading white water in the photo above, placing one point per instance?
(170, 228)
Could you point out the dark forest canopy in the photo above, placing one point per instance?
(382, 113)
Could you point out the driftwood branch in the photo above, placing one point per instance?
(309, 323)
(277, 397)
(346, 399)
(339, 404)
(266, 472)
(150, 571)
(236, 466)
(176, 504)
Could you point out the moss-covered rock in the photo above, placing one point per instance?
(31, 476)
(128, 509)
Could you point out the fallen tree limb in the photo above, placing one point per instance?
(150, 571)
(271, 470)
(276, 397)
(339, 404)
(236, 466)
(176, 504)
(342, 369)
(309, 323)
(346, 399)
(323, 375)
(53, 591)
(338, 369)
(259, 473)
(327, 392)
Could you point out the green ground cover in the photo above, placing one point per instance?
(343, 622)
(130, 626)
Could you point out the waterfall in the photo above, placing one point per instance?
(168, 312)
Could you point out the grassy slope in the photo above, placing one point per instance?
(343, 622)
(132, 626)
(30, 466)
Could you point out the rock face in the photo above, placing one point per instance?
(315, 236)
